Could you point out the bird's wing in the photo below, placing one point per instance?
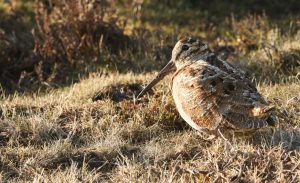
(214, 97)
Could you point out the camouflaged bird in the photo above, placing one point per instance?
(210, 94)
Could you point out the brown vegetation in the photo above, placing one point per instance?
(69, 36)
(70, 72)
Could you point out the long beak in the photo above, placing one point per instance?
(165, 71)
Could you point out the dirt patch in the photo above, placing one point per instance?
(120, 92)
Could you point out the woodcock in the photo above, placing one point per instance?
(212, 95)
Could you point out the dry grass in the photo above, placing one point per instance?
(69, 134)
(69, 127)
(63, 39)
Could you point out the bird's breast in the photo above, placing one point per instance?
(191, 99)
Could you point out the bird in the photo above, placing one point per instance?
(211, 95)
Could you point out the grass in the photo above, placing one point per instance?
(91, 128)
(69, 134)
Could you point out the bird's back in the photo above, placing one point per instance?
(211, 94)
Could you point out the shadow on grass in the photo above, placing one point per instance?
(66, 51)
(185, 12)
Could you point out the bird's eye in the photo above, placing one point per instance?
(185, 47)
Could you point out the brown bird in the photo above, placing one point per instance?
(212, 95)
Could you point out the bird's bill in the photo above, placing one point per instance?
(165, 71)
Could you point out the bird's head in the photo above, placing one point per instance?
(185, 51)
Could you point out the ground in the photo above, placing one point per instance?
(93, 129)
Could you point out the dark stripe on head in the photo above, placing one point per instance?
(191, 40)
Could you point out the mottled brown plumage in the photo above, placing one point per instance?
(210, 94)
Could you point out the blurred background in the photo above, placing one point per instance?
(53, 43)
